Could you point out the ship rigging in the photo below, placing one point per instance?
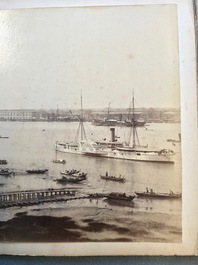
(115, 149)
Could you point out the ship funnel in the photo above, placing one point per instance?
(112, 134)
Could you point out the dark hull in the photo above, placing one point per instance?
(59, 161)
(73, 178)
(70, 180)
(118, 123)
(3, 162)
(159, 195)
(119, 197)
(137, 124)
(93, 154)
(36, 171)
(5, 173)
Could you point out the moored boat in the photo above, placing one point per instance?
(59, 161)
(156, 195)
(4, 137)
(37, 171)
(70, 180)
(80, 175)
(70, 172)
(113, 178)
(117, 196)
(3, 162)
(5, 172)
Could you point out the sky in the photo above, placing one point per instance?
(47, 56)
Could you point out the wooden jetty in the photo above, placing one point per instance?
(33, 197)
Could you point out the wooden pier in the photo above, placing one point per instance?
(34, 197)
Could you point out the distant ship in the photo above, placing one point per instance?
(175, 140)
(115, 122)
(115, 149)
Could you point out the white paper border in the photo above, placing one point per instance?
(187, 58)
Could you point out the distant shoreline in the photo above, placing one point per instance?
(78, 121)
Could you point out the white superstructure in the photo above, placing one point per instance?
(114, 149)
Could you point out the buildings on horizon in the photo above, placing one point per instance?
(146, 114)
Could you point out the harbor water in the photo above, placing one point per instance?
(32, 145)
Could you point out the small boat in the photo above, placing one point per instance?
(80, 175)
(4, 137)
(59, 161)
(156, 195)
(117, 196)
(70, 180)
(5, 172)
(70, 172)
(113, 178)
(56, 160)
(3, 162)
(174, 140)
(36, 171)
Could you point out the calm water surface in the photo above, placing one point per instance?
(32, 145)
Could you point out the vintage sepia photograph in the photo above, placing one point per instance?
(90, 125)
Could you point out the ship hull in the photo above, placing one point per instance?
(116, 154)
(119, 197)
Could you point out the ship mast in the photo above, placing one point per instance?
(57, 113)
(108, 110)
(82, 129)
(133, 119)
(133, 124)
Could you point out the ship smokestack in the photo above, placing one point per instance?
(112, 134)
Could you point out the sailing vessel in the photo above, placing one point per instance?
(114, 148)
(118, 122)
(106, 121)
(58, 161)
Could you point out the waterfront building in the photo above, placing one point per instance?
(18, 114)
